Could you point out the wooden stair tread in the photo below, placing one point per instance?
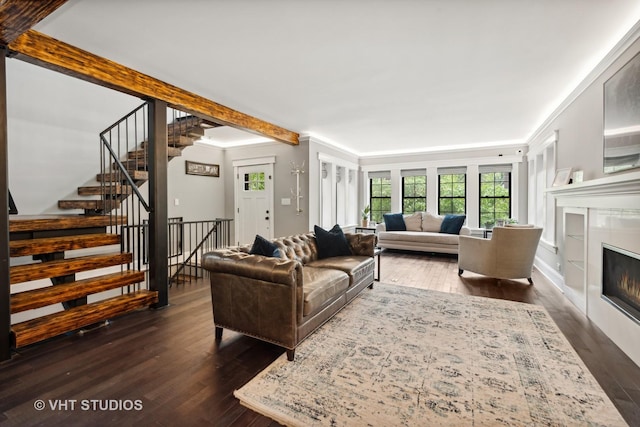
(60, 244)
(179, 140)
(136, 175)
(91, 204)
(99, 190)
(43, 297)
(23, 223)
(63, 267)
(190, 126)
(143, 154)
(44, 327)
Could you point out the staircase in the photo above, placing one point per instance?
(46, 239)
(112, 189)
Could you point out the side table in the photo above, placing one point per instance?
(365, 230)
(376, 253)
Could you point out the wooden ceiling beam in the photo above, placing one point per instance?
(40, 49)
(18, 16)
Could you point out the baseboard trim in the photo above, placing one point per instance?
(550, 273)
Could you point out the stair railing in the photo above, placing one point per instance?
(121, 174)
(124, 168)
(187, 241)
(200, 237)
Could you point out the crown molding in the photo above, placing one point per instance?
(616, 52)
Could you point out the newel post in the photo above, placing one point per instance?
(158, 217)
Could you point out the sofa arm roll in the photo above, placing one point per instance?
(268, 269)
(362, 244)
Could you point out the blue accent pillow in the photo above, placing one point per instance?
(394, 222)
(451, 224)
(331, 243)
(262, 246)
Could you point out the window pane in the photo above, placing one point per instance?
(495, 197)
(414, 190)
(452, 194)
(458, 189)
(380, 201)
(446, 190)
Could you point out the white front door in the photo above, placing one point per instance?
(254, 201)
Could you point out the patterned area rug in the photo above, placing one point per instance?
(399, 356)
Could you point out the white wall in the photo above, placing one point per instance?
(579, 146)
(471, 159)
(199, 197)
(287, 221)
(53, 126)
(318, 151)
(54, 122)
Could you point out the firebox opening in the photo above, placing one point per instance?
(621, 280)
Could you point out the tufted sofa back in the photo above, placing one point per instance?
(301, 247)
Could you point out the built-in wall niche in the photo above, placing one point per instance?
(575, 255)
(338, 202)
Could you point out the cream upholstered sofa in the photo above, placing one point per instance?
(422, 234)
(509, 254)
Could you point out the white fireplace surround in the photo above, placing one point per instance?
(611, 212)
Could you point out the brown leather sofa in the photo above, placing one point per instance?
(283, 300)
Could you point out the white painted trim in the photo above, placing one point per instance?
(337, 161)
(613, 55)
(254, 161)
(333, 145)
(622, 191)
(551, 247)
(535, 149)
(493, 160)
(550, 273)
(515, 187)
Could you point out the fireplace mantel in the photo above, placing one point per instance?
(596, 213)
(618, 191)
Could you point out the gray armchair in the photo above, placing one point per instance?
(508, 254)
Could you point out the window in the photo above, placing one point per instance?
(495, 194)
(414, 194)
(452, 184)
(254, 181)
(380, 197)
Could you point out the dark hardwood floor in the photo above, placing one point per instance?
(163, 367)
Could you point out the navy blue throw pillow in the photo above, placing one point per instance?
(394, 222)
(262, 246)
(451, 224)
(331, 243)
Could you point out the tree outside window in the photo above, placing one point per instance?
(414, 194)
(495, 197)
(453, 193)
(380, 198)
(254, 181)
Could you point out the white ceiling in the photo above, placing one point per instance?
(373, 76)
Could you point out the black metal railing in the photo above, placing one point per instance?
(124, 168)
(187, 242)
(198, 238)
